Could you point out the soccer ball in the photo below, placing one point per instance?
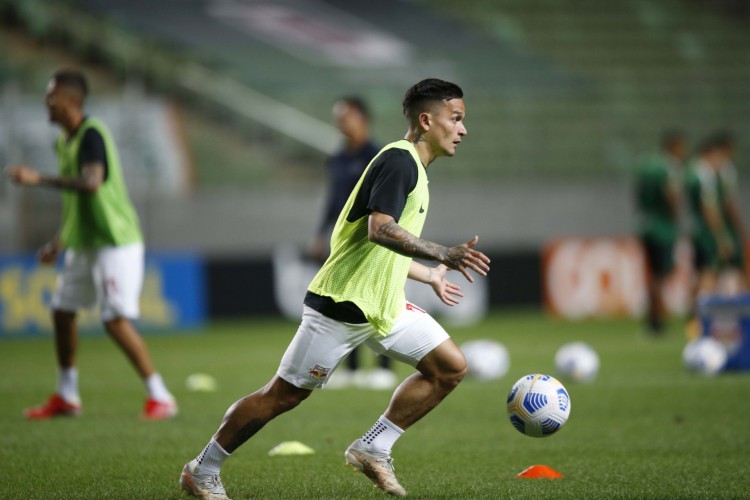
(486, 359)
(704, 355)
(577, 361)
(538, 405)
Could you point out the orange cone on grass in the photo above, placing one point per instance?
(539, 472)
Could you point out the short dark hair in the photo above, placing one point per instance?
(421, 94)
(720, 139)
(357, 103)
(72, 79)
(723, 138)
(671, 137)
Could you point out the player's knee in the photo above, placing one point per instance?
(446, 366)
(290, 401)
(451, 373)
(286, 396)
(452, 377)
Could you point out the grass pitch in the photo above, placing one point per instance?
(644, 428)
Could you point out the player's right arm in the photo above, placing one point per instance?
(92, 168)
(92, 176)
(728, 179)
(382, 197)
(383, 230)
(711, 212)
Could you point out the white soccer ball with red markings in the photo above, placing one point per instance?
(538, 405)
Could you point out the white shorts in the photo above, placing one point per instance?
(110, 277)
(321, 343)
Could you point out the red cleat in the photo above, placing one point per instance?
(158, 410)
(54, 407)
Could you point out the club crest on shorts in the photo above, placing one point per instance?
(318, 373)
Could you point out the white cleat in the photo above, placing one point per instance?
(378, 467)
(205, 486)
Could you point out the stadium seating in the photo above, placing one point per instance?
(555, 88)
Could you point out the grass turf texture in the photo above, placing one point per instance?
(643, 429)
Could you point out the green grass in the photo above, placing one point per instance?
(643, 429)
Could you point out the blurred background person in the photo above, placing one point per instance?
(709, 185)
(734, 275)
(351, 115)
(101, 237)
(352, 118)
(658, 199)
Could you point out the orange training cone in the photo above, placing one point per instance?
(539, 472)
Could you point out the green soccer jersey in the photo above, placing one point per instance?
(103, 218)
(656, 178)
(727, 190)
(702, 186)
(359, 271)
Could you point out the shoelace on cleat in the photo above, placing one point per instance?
(387, 462)
(213, 483)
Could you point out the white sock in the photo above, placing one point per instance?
(157, 390)
(211, 458)
(382, 436)
(67, 384)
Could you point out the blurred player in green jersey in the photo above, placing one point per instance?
(717, 232)
(103, 246)
(735, 271)
(658, 195)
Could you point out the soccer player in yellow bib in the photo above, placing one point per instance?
(358, 298)
(103, 246)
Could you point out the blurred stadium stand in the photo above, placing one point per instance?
(561, 96)
(564, 87)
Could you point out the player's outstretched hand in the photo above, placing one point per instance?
(48, 253)
(449, 293)
(21, 174)
(464, 257)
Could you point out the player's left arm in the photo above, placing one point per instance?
(732, 209)
(673, 194)
(449, 293)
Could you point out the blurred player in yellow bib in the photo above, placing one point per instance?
(103, 246)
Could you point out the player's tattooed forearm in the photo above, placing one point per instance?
(396, 238)
(72, 183)
(89, 181)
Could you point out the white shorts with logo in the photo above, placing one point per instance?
(110, 277)
(321, 343)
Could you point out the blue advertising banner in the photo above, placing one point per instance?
(173, 295)
(726, 318)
